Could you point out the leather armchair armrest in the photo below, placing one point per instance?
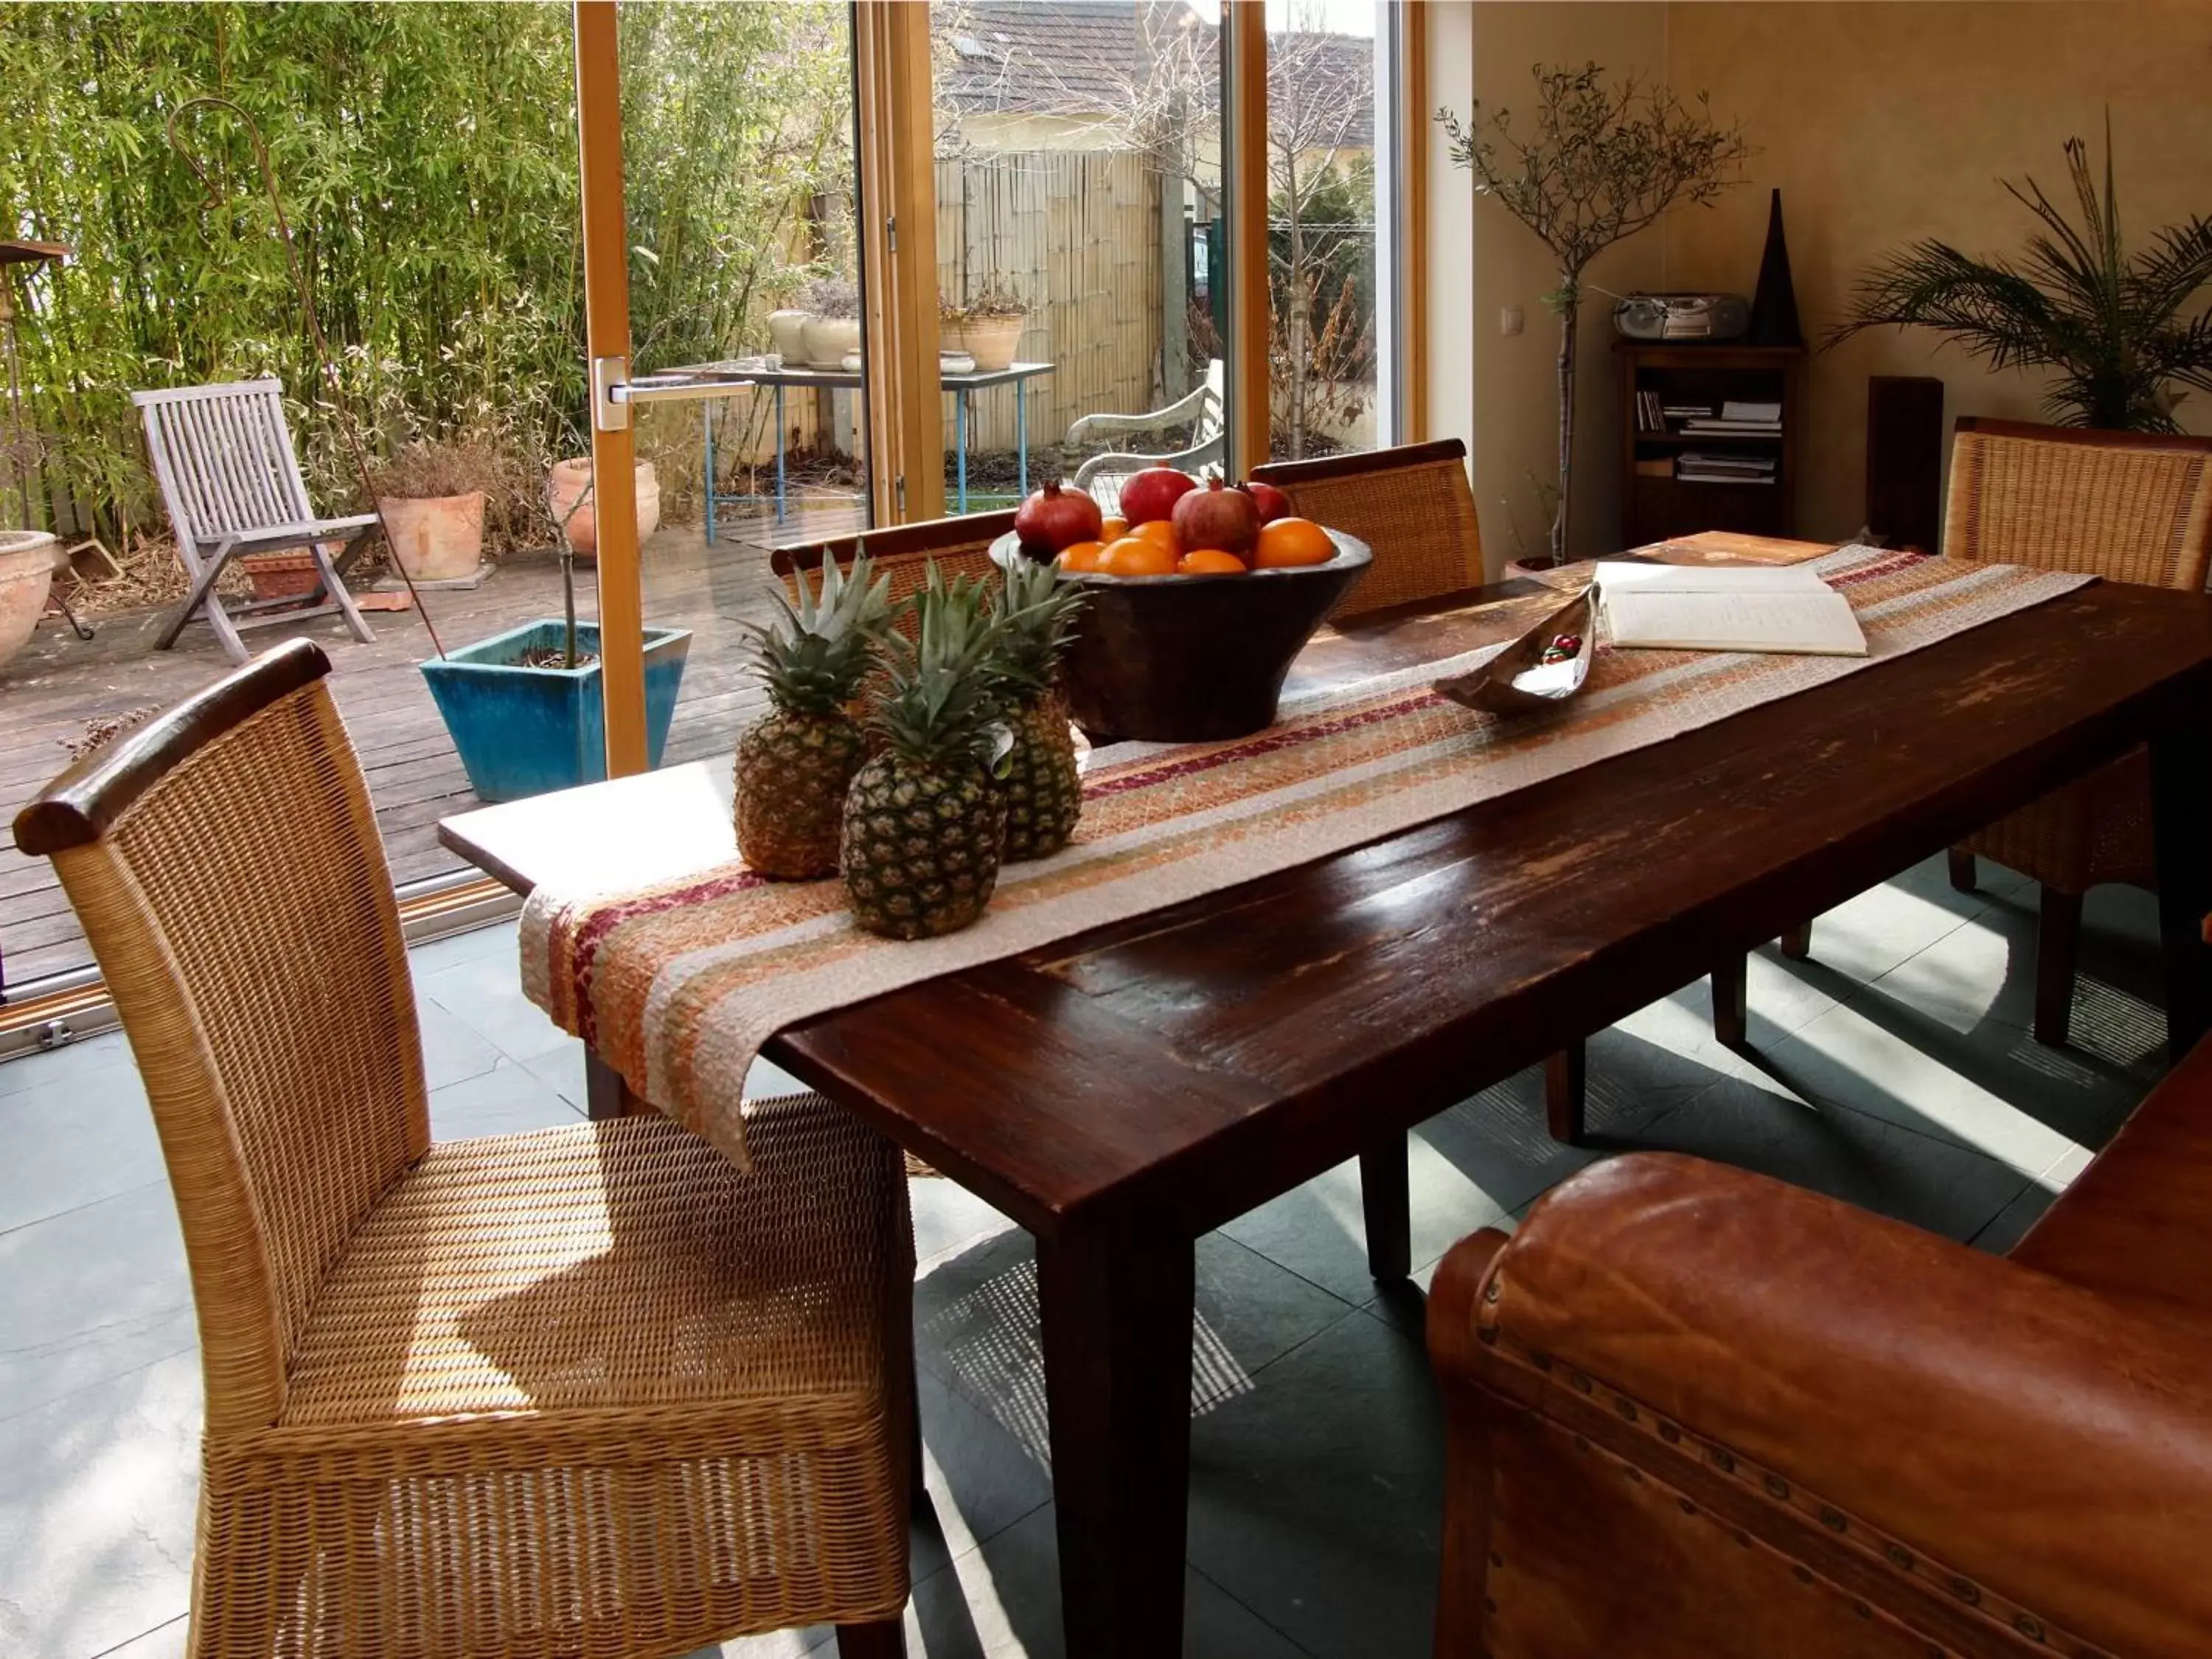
(2023, 1432)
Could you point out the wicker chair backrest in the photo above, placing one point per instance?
(2128, 507)
(227, 868)
(1412, 505)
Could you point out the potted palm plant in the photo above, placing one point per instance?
(2111, 325)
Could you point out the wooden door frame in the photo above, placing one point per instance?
(606, 327)
(894, 140)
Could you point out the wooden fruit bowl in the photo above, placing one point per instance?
(1193, 659)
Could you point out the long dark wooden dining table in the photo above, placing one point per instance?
(1122, 1093)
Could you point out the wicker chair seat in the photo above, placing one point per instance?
(606, 1321)
(614, 1265)
(2095, 830)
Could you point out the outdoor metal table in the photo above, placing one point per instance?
(715, 378)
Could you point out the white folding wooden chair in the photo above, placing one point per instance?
(231, 481)
(1199, 410)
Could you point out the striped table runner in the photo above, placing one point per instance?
(679, 985)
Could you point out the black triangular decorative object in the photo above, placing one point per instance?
(1774, 304)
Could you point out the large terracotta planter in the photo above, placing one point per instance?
(828, 339)
(991, 341)
(26, 571)
(572, 479)
(436, 538)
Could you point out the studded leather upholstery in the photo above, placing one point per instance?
(1696, 1411)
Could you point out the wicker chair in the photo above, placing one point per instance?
(1412, 505)
(960, 545)
(588, 1390)
(2127, 507)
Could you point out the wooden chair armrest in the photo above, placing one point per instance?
(2045, 1442)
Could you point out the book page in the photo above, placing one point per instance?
(1694, 608)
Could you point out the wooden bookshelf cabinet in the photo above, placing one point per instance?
(1653, 509)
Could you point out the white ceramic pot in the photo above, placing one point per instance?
(26, 571)
(436, 538)
(787, 331)
(828, 339)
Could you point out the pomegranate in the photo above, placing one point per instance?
(1052, 518)
(1153, 493)
(1217, 517)
(1271, 502)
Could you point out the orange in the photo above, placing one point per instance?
(1292, 542)
(1111, 529)
(1210, 561)
(1161, 531)
(1137, 555)
(1080, 555)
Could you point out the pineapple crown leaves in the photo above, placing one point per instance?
(945, 697)
(814, 656)
(1037, 613)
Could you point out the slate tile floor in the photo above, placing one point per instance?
(1894, 1070)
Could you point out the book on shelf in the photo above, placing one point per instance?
(1686, 411)
(1786, 608)
(1732, 429)
(1736, 410)
(1725, 468)
(1655, 466)
(1649, 416)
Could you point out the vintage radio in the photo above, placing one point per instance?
(1682, 316)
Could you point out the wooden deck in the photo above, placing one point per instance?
(59, 683)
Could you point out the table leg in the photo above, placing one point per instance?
(960, 443)
(779, 454)
(1385, 1196)
(2181, 799)
(1731, 990)
(706, 422)
(605, 1095)
(1116, 1307)
(1021, 430)
(1566, 1094)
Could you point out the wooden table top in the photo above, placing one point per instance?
(1182, 1067)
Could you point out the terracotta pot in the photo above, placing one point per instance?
(787, 333)
(828, 339)
(991, 341)
(571, 478)
(436, 538)
(280, 575)
(26, 571)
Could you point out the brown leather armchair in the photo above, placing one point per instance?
(1693, 1411)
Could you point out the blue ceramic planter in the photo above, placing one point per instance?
(524, 730)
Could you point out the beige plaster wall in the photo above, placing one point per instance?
(1497, 390)
(1886, 122)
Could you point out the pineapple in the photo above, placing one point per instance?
(794, 766)
(1044, 793)
(924, 818)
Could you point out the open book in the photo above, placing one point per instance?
(1718, 608)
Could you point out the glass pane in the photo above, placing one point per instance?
(1323, 156)
(741, 187)
(431, 190)
(1078, 225)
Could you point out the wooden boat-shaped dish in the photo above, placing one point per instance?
(1517, 681)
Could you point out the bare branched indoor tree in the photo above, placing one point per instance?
(1598, 163)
